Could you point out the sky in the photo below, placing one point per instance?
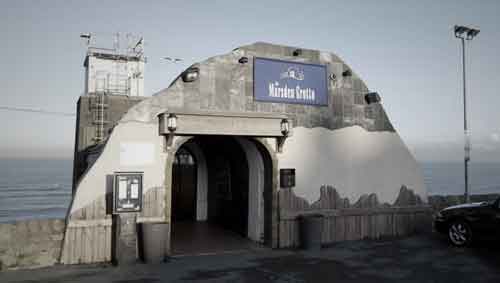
(404, 50)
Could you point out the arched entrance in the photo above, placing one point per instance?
(221, 195)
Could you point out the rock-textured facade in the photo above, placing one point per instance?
(348, 160)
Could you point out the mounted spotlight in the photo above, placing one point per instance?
(190, 75)
(372, 97)
(172, 122)
(243, 60)
(472, 33)
(297, 52)
(459, 30)
(347, 73)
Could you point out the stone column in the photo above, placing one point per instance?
(124, 238)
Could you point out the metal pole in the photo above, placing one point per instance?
(466, 134)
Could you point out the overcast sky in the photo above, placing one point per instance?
(405, 50)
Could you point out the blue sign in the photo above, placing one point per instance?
(290, 82)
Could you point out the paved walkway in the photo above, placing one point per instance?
(415, 259)
(191, 238)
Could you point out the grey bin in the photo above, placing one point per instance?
(153, 242)
(311, 228)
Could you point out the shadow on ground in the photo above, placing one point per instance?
(415, 259)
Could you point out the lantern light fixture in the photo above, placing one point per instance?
(285, 131)
(285, 127)
(172, 122)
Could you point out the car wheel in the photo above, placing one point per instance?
(459, 233)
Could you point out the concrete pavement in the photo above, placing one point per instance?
(426, 258)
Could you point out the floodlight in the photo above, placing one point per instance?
(471, 33)
(459, 30)
(347, 73)
(372, 97)
(190, 75)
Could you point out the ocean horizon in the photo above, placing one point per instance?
(41, 188)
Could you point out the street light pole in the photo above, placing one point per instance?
(466, 133)
(465, 33)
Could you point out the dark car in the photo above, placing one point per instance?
(465, 222)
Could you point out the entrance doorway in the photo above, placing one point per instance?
(184, 187)
(220, 195)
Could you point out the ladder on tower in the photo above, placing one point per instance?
(99, 109)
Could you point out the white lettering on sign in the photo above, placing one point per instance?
(275, 90)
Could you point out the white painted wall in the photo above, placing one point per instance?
(202, 181)
(352, 160)
(132, 146)
(255, 220)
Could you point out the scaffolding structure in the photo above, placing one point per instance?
(111, 71)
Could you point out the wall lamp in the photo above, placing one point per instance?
(372, 97)
(285, 131)
(190, 75)
(285, 127)
(167, 126)
(172, 122)
(172, 127)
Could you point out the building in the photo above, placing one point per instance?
(247, 142)
(114, 82)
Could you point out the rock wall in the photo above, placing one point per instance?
(31, 243)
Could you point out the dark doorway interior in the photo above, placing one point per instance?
(184, 186)
(227, 183)
(227, 198)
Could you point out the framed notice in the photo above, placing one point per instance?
(127, 192)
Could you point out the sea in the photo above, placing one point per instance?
(32, 189)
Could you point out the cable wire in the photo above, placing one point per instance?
(32, 110)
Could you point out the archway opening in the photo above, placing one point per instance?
(221, 195)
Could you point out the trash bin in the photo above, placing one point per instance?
(153, 242)
(311, 228)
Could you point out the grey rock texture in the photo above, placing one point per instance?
(31, 243)
(225, 85)
(331, 199)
